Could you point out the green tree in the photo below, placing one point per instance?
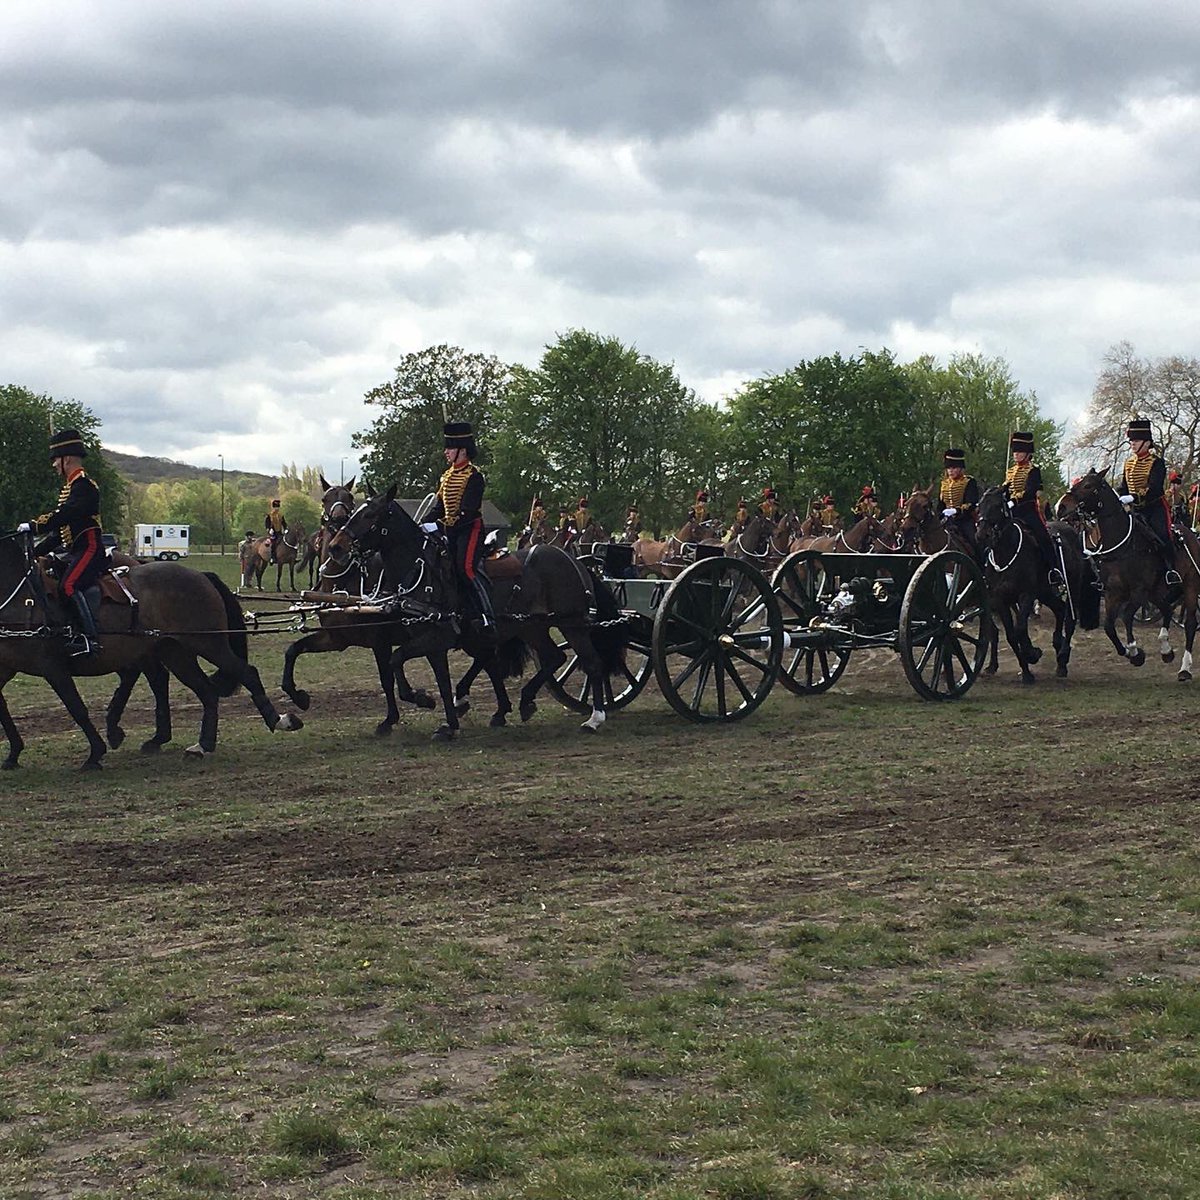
(598, 418)
(28, 486)
(974, 402)
(404, 443)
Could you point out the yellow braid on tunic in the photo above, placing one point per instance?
(451, 488)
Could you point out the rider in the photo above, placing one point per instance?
(699, 512)
(769, 503)
(866, 505)
(1177, 500)
(959, 495)
(537, 514)
(1142, 489)
(583, 517)
(75, 525)
(275, 525)
(1024, 484)
(829, 516)
(458, 512)
(633, 523)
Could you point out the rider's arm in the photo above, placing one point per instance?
(1156, 483)
(970, 496)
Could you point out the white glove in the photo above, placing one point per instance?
(24, 527)
(1012, 504)
(429, 527)
(1126, 499)
(949, 512)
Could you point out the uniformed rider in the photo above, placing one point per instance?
(867, 504)
(1023, 481)
(583, 516)
(458, 513)
(699, 512)
(74, 525)
(537, 514)
(769, 504)
(1143, 490)
(958, 494)
(829, 515)
(1177, 500)
(275, 525)
(633, 523)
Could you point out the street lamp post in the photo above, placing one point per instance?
(342, 472)
(222, 458)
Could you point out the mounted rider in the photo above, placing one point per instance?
(583, 516)
(958, 494)
(633, 524)
(699, 510)
(1177, 501)
(828, 514)
(867, 505)
(74, 525)
(1023, 482)
(769, 504)
(275, 525)
(457, 513)
(537, 514)
(1143, 490)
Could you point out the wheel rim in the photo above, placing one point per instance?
(718, 640)
(570, 683)
(801, 584)
(944, 627)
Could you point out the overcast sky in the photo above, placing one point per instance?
(222, 223)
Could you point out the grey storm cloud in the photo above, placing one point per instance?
(218, 212)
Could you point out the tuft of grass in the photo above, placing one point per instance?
(308, 1135)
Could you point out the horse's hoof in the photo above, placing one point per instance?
(462, 707)
(289, 723)
(527, 710)
(594, 723)
(1027, 679)
(91, 765)
(1184, 676)
(9, 764)
(195, 751)
(425, 700)
(1169, 656)
(150, 747)
(497, 721)
(383, 729)
(116, 736)
(1136, 660)
(301, 699)
(1061, 672)
(991, 670)
(444, 733)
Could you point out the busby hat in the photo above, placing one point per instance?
(954, 457)
(826, 499)
(868, 490)
(1022, 442)
(743, 502)
(67, 443)
(702, 495)
(459, 436)
(275, 503)
(633, 508)
(583, 502)
(1138, 430)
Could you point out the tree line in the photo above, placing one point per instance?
(597, 418)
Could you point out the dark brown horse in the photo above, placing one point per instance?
(256, 557)
(549, 591)
(337, 503)
(1017, 577)
(181, 615)
(1131, 572)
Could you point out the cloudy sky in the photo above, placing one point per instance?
(222, 223)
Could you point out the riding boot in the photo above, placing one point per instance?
(87, 638)
(483, 596)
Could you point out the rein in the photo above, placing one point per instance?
(991, 558)
(1102, 551)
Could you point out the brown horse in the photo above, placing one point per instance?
(256, 557)
(181, 615)
(1131, 572)
(764, 541)
(664, 559)
(866, 536)
(337, 503)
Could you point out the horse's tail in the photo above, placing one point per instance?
(609, 640)
(225, 682)
(512, 657)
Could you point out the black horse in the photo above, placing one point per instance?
(553, 592)
(1131, 571)
(1017, 577)
(181, 615)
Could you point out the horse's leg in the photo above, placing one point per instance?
(215, 648)
(580, 640)
(183, 665)
(1133, 652)
(64, 687)
(15, 743)
(434, 650)
(1017, 637)
(1189, 633)
(314, 643)
(1165, 649)
(549, 658)
(1025, 608)
(462, 690)
(1064, 630)
(116, 706)
(993, 662)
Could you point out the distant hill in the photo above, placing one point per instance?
(142, 469)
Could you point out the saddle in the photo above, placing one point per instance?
(502, 566)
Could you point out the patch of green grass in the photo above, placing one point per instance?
(302, 1135)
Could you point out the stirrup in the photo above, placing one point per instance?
(81, 646)
(1173, 577)
(1055, 578)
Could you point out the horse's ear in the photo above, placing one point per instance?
(349, 484)
(391, 493)
(369, 491)
(325, 484)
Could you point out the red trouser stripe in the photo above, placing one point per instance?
(472, 546)
(92, 538)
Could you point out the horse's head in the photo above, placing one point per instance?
(1093, 494)
(337, 503)
(919, 514)
(993, 507)
(377, 525)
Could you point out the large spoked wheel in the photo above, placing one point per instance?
(569, 686)
(813, 661)
(718, 641)
(944, 626)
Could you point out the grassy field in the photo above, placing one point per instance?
(856, 946)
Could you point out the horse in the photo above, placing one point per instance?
(256, 557)
(337, 503)
(765, 541)
(592, 533)
(550, 590)
(536, 535)
(662, 559)
(180, 615)
(1131, 572)
(922, 526)
(866, 536)
(1017, 577)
